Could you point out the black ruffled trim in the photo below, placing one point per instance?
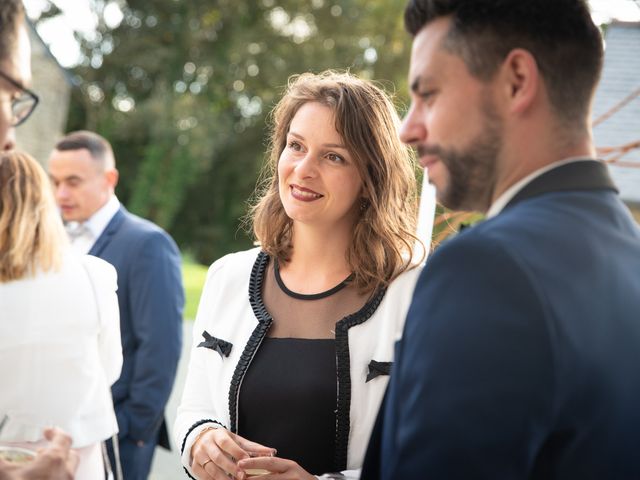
(378, 368)
(343, 361)
(343, 417)
(258, 334)
(184, 440)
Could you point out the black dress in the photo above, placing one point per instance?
(288, 397)
(288, 401)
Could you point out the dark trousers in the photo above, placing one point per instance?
(135, 459)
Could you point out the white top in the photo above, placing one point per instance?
(513, 190)
(426, 216)
(225, 312)
(58, 355)
(93, 227)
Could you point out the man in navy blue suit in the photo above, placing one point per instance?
(150, 293)
(520, 357)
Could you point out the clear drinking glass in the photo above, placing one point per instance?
(20, 437)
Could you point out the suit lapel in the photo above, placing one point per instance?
(112, 227)
(580, 175)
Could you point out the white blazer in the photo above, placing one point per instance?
(60, 352)
(228, 311)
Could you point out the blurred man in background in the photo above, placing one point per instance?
(150, 293)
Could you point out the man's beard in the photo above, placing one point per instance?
(472, 170)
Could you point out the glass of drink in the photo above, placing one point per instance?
(20, 437)
(16, 455)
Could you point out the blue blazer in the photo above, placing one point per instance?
(520, 357)
(151, 299)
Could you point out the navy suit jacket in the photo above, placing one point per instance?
(520, 357)
(151, 299)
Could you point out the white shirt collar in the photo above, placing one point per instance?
(99, 220)
(498, 205)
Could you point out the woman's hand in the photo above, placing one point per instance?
(56, 461)
(280, 468)
(216, 451)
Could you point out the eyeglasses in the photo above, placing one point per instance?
(22, 106)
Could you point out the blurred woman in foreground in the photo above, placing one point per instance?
(59, 323)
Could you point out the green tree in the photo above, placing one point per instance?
(183, 89)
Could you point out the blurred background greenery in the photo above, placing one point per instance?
(193, 277)
(183, 90)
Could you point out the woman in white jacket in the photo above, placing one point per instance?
(59, 324)
(293, 341)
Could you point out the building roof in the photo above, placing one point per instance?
(619, 95)
(37, 43)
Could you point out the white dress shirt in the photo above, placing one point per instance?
(90, 230)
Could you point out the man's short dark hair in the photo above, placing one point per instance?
(98, 146)
(560, 34)
(11, 17)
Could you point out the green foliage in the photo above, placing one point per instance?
(193, 277)
(635, 211)
(183, 89)
(448, 222)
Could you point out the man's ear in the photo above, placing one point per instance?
(112, 176)
(520, 80)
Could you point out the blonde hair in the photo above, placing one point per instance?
(367, 122)
(31, 233)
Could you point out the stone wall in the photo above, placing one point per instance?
(47, 124)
